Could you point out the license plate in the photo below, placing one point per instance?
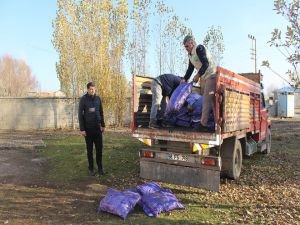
(177, 157)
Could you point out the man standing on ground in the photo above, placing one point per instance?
(161, 87)
(201, 60)
(91, 122)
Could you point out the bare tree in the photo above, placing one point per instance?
(16, 78)
(175, 55)
(215, 43)
(164, 14)
(266, 64)
(170, 31)
(139, 36)
(289, 45)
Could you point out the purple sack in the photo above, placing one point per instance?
(183, 119)
(148, 188)
(178, 97)
(119, 203)
(186, 116)
(140, 203)
(196, 110)
(192, 98)
(156, 199)
(180, 115)
(160, 202)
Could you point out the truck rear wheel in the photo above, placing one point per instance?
(232, 157)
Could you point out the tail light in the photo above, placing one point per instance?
(148, 154)
(208, 162)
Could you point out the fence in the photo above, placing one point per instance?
(36, 113)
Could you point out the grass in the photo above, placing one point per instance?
(68, 164)
(261, 181)
(68, 161)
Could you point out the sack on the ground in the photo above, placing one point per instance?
(156, 199)
(119, 203)
(178, 97)
(150, 196)
(159, 202)
(148, 188)
(140, 203)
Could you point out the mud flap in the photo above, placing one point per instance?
(182, 175)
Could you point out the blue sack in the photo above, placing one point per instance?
(148, 188)
(192, 98)
(156, 199)
(159, 202)
(182, 119)
(196, 110)
(178, 97)
(190, 111)
(119, 203)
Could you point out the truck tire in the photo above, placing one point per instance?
(232, 158)
(268, 142)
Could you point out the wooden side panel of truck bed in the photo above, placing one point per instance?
(238, 102)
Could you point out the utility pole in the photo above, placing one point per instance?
(253, 51)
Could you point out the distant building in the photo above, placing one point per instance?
(297, 97)
(285, 102)
(57, 94)
(295, 91)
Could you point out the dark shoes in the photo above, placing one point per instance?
(153, 125)
(167, 124)
(102, 172)
(202, 128)
(92, 172)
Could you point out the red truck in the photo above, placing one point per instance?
(193, 158)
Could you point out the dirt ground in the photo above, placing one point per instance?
(26, 197)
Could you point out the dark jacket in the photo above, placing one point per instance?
(201, 53)
(90, 112)
(169, 83)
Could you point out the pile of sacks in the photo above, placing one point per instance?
(185, 108)
(152, 198)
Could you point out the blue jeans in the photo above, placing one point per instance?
(159, 101)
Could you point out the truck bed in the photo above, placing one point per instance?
(237, 110)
